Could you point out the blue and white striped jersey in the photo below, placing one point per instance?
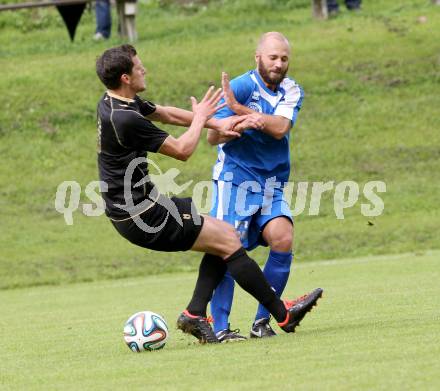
(256, 156)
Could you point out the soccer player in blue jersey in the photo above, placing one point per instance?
(251, 171)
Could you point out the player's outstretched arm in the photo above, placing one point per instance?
(180, 117)
(182, 148)
(274, 125)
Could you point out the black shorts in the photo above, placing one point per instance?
(174, 227)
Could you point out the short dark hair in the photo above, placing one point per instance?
(113, 63)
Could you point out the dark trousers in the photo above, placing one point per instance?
(332, 5)
(103, 18)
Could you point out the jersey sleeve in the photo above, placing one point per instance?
(137, 132)
(242, 87)
(145, 107)
(291, 104)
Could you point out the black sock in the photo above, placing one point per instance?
(250, 277)
(211, 271)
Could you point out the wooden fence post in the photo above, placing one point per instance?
(320, 9)
(126, 10)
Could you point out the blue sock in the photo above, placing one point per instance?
(221, 303)
(276, 271)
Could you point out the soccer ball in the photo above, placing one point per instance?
(145, 331)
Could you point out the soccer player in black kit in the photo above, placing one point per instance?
(151, 220)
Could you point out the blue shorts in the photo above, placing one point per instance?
(247, 211)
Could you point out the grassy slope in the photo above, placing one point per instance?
(371, 112)
(376, 328)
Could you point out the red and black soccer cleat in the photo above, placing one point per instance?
(298, 308)
(198, 326)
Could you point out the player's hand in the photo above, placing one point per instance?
(250, 121)
(227, 92)
(227, 127)
(208, 105)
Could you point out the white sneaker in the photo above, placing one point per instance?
(98, 37)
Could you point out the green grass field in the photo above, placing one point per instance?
(376, 328)
(370, 113)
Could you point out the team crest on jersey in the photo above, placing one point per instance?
(255, 106)
(255, 95)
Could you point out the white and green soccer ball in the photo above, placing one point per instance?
(145, 331)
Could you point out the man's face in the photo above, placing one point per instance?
(273, 61)
(137, 76)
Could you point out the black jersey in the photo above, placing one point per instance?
(125, 134)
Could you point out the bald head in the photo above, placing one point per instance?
(270, 39)
(272, 57)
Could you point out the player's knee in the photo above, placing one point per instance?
(282, 243)
(229, 237)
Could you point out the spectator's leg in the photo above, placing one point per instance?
(103, 18)
(353, 4)
(332, 6)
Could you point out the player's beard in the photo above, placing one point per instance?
(264, 73)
